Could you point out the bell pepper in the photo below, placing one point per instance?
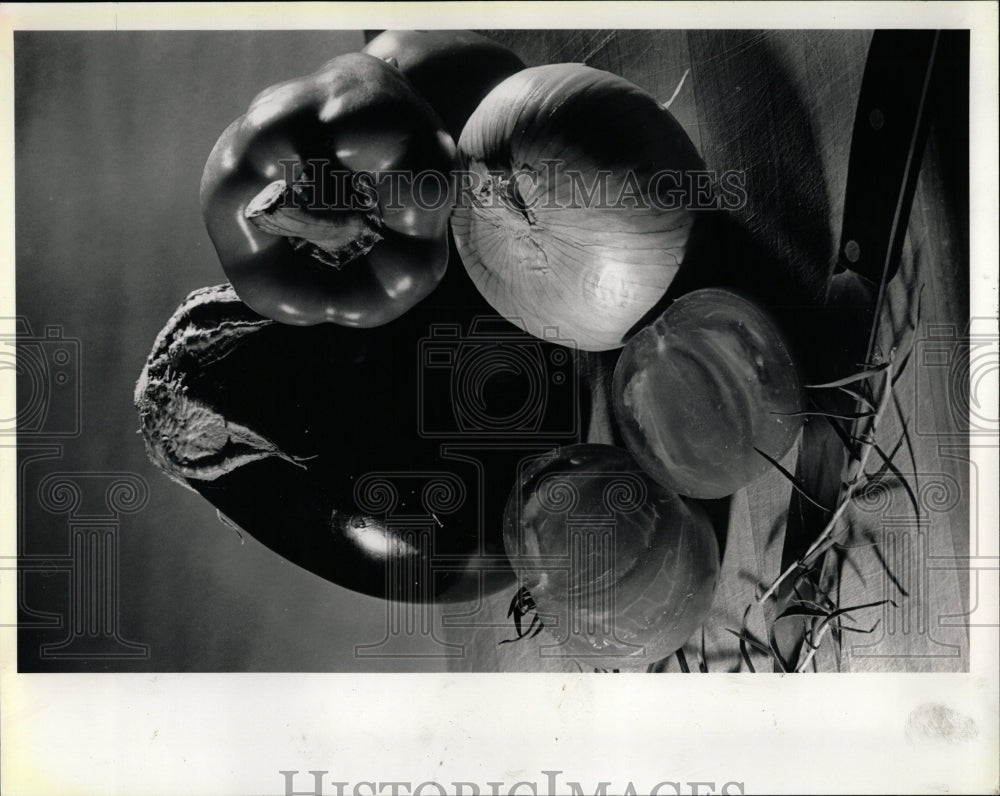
(452, 69)
(328, 201)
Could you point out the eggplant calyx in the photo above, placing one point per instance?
(188, 434)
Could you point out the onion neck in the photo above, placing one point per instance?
(332, 236)
(500, 204)
(504, 190)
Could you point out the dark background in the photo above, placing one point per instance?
(112, 132)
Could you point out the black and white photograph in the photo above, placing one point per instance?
(345, 357)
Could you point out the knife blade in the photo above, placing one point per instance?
(887, 144)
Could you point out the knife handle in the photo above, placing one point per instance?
(887, 143)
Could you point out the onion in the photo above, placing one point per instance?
(576, 207)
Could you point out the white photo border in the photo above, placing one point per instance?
(233, 733)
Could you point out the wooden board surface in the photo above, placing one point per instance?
(779, 106)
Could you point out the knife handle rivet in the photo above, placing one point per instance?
(852, 251)
(876, 119)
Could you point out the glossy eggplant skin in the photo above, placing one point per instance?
(452, 69)
(396, 460)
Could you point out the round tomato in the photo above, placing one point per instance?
(622, 571)
(703, 391)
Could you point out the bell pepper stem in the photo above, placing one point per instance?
(334, 236)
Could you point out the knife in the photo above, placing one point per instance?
(887, 143)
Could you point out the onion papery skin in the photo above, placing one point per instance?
(568, 267)
(622, 570)
(705, 387)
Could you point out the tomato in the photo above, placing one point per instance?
(702, 390)
(622, 571)
(452, 69)
(329, 199)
